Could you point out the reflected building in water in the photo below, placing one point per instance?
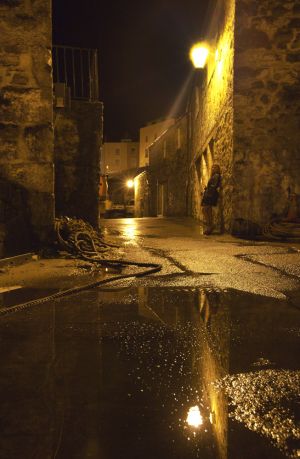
(132, 372)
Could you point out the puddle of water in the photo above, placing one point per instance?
(150, 372)
(22, 295)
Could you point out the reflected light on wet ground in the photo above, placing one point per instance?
(194, 418)
(130, 230)
(151, 372)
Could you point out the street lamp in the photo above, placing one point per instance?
(130, 183)
(198, 55)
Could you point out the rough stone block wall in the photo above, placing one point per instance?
(211, 115)
(141, 195)
(26, 128)
(168, 166)
(266, 108)
(222, 136)
(77, 148)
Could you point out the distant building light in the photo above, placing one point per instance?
(130, 183)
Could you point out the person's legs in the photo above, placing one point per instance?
(208, 219)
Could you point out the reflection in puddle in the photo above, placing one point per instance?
(14, 296)
(130, 229)
(194, 418)
(145, 373)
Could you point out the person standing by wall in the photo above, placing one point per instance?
(210, 198)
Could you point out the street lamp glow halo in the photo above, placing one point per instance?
(198, 55)
(130, 183)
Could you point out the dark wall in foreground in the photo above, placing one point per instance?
(26, 129)
(77, 148)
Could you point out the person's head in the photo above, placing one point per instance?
(215, 169)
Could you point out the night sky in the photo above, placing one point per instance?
(143, 51)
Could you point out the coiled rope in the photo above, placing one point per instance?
(282, 230)
(82, 241)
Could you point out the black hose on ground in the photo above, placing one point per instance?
(282, 230)
(80, 239)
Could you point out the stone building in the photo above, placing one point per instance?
(148, 134)
(43, 172)
(162, 190)
(119, 156)
(26, 147)
(78, 132)
(244, 111)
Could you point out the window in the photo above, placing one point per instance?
(132, 162)
(165, 149)
(155, 136)
(117, 151)
(133, 150)
(146, 153)
(146, 138)
(117, 162)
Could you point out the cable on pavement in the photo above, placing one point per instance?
(82, 241)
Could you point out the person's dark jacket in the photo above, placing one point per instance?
(211, 192)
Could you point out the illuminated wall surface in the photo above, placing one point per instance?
(119, 156)
(211, 114)
(245, 110)
(26, 147)
(142, 195)
(168, 170)
(266, 107)
(148, 134)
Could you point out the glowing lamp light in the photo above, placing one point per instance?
(198, 55)
(129, 183)
(194, 418)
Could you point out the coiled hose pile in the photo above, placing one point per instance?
(282, 230)
(81, 240)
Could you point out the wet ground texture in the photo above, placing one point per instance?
(151, 372)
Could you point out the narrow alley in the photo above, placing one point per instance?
(149, 229)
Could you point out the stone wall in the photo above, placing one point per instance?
(168, 167)
(26, 147)
(266, 108)
(142, 195)
(210, 122)
(77, 148)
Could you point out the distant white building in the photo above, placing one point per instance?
(119, 156)
(148, 134)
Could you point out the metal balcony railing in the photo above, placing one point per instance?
(78, 69)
